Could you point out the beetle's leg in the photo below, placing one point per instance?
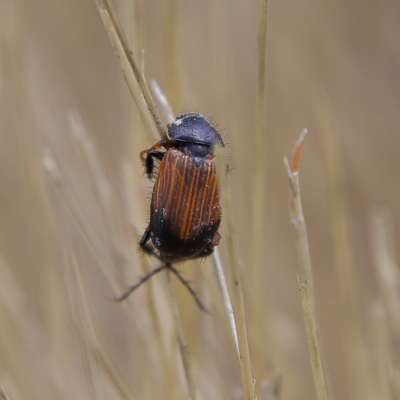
(146, 246)
(145, 238)
(141, 280)
(161, 143)
(149, 249)
(147, 156)
(149, 162)
(151, 274)
(187, 285)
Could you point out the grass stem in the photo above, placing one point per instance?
(132, 73)
(306, 286)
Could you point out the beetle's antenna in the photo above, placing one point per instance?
(141, 280)
(186, 283)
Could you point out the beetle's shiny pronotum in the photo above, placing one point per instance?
(185, 212)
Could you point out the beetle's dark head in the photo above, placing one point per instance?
(194, 128)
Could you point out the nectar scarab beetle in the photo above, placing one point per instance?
(185, 212)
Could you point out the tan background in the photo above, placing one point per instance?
(338, 59)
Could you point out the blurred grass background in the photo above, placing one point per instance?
(67, 242)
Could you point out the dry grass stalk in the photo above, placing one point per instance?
(172, 66)
(305, 286)
(100, 186)
(52, 169)
(388, 275)
(183, 347)
(312, 340)
(236, 287)
(296, 214)
(162, 98)
(130, 68)
(356, 362)
(93, 356)
(3, 393)
(225, 294)
(258, 219)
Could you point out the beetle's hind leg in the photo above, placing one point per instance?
(141, 280)
(187, 285)
(156, 271)
(149, 249)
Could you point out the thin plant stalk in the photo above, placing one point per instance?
(237, 289)
(225, 294)
(132, 73)
(52, 169)
(162, 98)
(94, 170)
(387, 267)
(172, 67)
(388, 274)
(84, 325)
(259, 194)
(183, 347)
(305, 286)
(312, 340)
(360, 374)
(260, 167)
(3, 394)
(296, 214)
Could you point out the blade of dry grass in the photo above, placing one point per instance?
(237, 288)
(360, 375)
(388, 274)
(305, 287)
(3, 393)
(85, 333)
(296, 214)
(172, 69)
(86, 148)
(162, 98)
(81, 322)
(52, 169)
(258, 199)
(225, 293)
(313, 340)
(131, 71)
(258, 219)
(183, 347)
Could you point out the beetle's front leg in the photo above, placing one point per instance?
(149, 162)
(148, 156)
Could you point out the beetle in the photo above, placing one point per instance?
(185, 211)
